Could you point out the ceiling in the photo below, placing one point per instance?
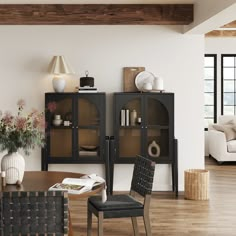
(96, 1)
(228, 30)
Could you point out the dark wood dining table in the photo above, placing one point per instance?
(43, 180)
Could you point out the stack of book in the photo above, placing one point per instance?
(124, 117)
(87, 89)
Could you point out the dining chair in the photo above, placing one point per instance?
(34, 213)
(126, 205)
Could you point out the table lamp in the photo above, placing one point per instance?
(59, 66)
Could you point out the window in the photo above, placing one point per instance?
(228, 74)
(210, 89)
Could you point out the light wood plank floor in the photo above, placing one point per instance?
(172, 217)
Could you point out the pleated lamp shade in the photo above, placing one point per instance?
(59, 66)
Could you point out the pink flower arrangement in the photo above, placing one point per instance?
(52, 106)
(25, 131)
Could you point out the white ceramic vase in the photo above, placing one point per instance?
(14, 166)
(154, 149)
(158, 84)
(58, 84)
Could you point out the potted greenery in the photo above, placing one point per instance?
(20, 131)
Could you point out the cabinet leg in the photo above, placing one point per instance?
(176, 167)
(44, 163)
(173, 176)
(111, 162)
(107, 166)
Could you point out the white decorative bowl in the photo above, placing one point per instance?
(147, 86)
(57, 122)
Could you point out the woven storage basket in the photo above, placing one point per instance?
(196, 183)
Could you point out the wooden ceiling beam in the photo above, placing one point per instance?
(221, 33)
(227, 30)
(230, 25)
(96, 14)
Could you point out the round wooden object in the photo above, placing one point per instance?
(196, 184)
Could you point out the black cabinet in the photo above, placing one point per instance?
(75, 131)
(144, 125)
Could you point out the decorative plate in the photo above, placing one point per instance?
(142, 78)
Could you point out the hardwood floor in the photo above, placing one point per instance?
(172, 216)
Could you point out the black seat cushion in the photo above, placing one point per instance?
(115, 202)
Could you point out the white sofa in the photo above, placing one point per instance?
(222, 144)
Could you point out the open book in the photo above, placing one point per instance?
(78, 185)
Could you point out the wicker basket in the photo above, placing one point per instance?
(196, 182)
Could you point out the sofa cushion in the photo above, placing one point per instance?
(231, 146)
(226, 119)
(228, 129)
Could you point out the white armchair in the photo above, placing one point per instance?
(222, 139)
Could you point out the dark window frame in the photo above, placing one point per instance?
(222, 81)
(215, 88)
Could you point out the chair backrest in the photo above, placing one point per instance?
(31, 213)
(143, 174)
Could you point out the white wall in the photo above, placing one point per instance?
(210, 15)
(219, 45)
(25, 52)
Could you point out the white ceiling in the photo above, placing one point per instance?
(96, 1)
(210, 15)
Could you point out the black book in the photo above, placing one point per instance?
(88, 91)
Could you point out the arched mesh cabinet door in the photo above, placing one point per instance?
(89, 135)
(158, 128)
(129, 127)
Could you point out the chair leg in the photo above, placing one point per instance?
(135, 226)
(147, 224)
(100, 223)
(89, 223)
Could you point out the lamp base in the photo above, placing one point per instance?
(58, 84)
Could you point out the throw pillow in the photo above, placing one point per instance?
(229, 131)
(230, 122)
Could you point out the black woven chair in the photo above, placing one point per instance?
(118, 206)
(34, 213)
